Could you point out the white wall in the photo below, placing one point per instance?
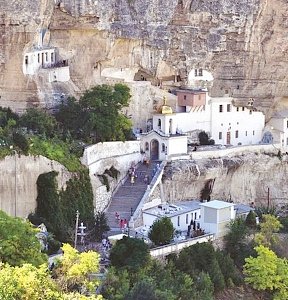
(94, 156)
(177, 247)
(127, 74)
(194, 80)
(249, 125)
(60, 74)
(148, 219)
(239, 150)
(177, 145)
(33, 62)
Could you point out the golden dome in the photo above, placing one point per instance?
(166, 109)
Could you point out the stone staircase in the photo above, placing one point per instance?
(128, 196)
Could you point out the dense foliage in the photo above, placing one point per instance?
(18, 242)
(57, 209)
(204, 139)
(162, 231)
(194, 274)
(96, 117)
(133, 254)
(69, 280)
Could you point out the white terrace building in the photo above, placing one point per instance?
(46, 59)
(181, 215)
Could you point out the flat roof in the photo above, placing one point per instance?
(243, 208)
(191, 91)
(173, 209)
(217, 204)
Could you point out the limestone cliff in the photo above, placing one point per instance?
(242, 179)
(241, 42)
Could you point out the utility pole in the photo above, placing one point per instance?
(268, 199)
(76, 228)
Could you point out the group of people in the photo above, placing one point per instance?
(123, 223)
(132, 174)
(106, 244)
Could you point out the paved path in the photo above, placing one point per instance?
(128, 196)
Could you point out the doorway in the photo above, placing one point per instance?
(228, 138)
(154, 150)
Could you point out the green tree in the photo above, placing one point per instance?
(251, 219)
(101, 225)
(71, 117)
(262, 272)
(48, 204)
(204, 139)
(143, 290)
(98, 115)
(132, 254)
(116, 284)
(268, 227)
(58, 209)
(18, 242)
(27, 282)
(72, 270)
(235, 240)
(38, 121)
(21, 142)
(162, 231)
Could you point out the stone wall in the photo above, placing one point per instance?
(18, 176)
(103, 156)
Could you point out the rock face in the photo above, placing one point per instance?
(18, 177)
(242, 179)
(242, 43)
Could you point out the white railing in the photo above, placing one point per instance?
(178, 246)
(233, 151)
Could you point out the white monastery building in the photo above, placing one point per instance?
(225, 123)
(45, 59)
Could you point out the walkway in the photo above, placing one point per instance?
(128, 196)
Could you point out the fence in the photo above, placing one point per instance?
(178, 246)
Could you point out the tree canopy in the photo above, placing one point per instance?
(97, 117)
(132, 254)
(18, 242)
(162, 231)
(69, 281)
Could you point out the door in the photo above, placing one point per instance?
(154, 150)
(228, 138)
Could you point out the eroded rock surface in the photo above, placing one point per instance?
(242, 179)
(243, 44)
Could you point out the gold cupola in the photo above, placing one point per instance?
(165, 109)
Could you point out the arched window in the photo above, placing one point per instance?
(163, 147)
(170, 126)
(146, 146)
(159, 123)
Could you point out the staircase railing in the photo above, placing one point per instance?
(150, 188)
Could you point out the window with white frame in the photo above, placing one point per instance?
(220, 135)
